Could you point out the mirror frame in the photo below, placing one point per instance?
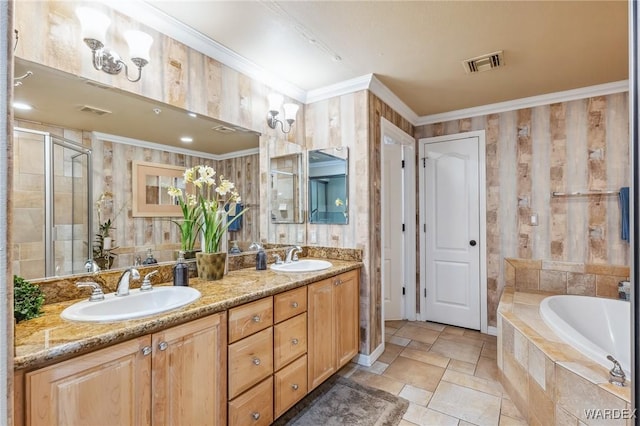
(298, 208)
(141, 208)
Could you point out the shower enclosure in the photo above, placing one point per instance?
(51, 220)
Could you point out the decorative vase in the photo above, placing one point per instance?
(211, 266)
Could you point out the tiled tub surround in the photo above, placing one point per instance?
(49, 338)
(548, 380)
(564, 277)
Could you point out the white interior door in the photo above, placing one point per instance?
(452, 209)
(398, 223)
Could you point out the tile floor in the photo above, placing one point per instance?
(448, 374)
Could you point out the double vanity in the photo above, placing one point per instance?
(246, 351)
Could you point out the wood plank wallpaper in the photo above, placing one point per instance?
(572, 146)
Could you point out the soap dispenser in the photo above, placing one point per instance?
(150, 260)
(181, 271)
(261, 260)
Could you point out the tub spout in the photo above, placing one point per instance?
(616, 375)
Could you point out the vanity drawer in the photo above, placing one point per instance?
(289, 340)
(250, 360)
(290, 385)
(254, 407)
(290, 303)
(249, 318)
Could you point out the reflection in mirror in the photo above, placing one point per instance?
(150, 195)
(285, 193)
(328, 186)
(117, 127)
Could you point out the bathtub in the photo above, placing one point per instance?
(595, 326)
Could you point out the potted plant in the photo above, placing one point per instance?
(27, 299)
(206, 213)
(103, 245)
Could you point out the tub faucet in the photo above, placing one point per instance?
(123, 282)
(616, 375)
(292, 254)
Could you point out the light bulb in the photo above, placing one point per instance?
(94, 24)
(290, 111)
(139, 44)
(275, 100)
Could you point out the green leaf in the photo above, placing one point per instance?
(27, 299)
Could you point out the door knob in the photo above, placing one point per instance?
(472, 243)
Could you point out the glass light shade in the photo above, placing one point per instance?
(290, 111)
(94, 23)
(275, 100)
(139, 44)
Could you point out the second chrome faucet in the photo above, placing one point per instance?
(123, 282)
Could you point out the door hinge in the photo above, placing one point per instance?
(403, 291)
(424, 162)
(403, 227)
(403, 164)
(425, 292)
(424, 227)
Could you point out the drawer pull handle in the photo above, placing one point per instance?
(294, 341)
(255, 415)
(256, 361)
(146, 350)
(256, 318)
(294, 305)
(294, 386)
(163, 346)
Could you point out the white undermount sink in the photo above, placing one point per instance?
(302, 265)
(135, 305)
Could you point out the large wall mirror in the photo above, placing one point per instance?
(285, 197)
(69, 108)
(329, 186)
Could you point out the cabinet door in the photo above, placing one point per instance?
(107, 387)
(321, 345)
(189, 373)
(346, 291)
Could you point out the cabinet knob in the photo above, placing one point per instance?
(146, 350)
(294, 386)
(337, 282)
(256, 318)
(163, 346)
(256, 361)
(294, 341)
(255, 415)
(294, 305)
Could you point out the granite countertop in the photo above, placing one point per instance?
(49, 338)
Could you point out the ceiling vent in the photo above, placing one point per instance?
(484, 62)
(223, 129)
(94, 110)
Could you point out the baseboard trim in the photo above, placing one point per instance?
(492, 331)
(368, 360)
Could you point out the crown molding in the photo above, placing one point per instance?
(388, 97)
(168, 148)
(148, 15)
(530, 102)
(343, 88)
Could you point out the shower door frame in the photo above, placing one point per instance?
(49, 199)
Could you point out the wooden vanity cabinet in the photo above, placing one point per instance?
(332, 324)
(176, 376)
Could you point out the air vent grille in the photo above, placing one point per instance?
(484, 63)
(223, 129)
(94, 110)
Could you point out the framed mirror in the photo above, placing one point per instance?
(329, 186)
(150, 184)
(285, 194)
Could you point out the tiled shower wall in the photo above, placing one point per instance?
(571, 146)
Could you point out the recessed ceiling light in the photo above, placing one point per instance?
(186, 139)
(22, 106)
(192, 114)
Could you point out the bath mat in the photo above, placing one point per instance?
(340, 401)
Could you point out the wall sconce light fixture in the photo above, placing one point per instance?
(290, 111)
(94, 30)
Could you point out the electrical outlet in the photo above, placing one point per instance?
(313, 238)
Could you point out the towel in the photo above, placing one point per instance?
(233, 209)
(624, 212)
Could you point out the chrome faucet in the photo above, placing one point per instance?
(123, 282)
(292, 254)
(616, 374)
